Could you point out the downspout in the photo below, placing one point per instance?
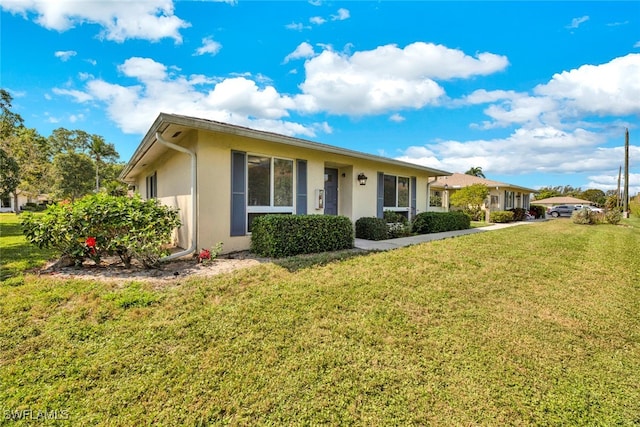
(194, 204)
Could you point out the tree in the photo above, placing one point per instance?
(32, 154)
(73, 174)
(10, 121)
(476, 171)
(471, 199)
(594, 195)
(9, 174)
(99, 150)
(546, 192)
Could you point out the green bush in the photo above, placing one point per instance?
(519, 214)
(287, 235)
(100, 224)
(614, 216)
(397, 225)
(538, 211)
(371, 228)
(501, 216)
(634, 207)
(582, 216)
(437, 222)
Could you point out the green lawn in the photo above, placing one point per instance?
(529, 325)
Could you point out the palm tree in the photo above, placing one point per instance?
(476, 171)
(100, 150)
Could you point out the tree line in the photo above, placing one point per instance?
(68, 164)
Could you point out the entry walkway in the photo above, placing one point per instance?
(385, 245)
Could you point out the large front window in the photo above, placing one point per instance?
(396, 191)
(269, 186)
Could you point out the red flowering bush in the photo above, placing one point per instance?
(100, 224)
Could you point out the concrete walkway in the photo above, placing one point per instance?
(385, 245)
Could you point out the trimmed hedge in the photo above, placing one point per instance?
(372, 228)
(287, 235)
(436, 222)
(501, 216)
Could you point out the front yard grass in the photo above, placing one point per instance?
(530, 325)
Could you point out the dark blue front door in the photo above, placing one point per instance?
(330, 191)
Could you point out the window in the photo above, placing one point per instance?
(152, 186)
(435, 199)
(509, 199)
(5, 202)
(269, 186)
(396, 191)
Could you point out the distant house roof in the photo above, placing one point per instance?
(460, 180)
(562, 200)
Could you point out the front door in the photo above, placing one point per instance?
(330, 191)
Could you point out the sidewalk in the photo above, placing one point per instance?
(385, 245)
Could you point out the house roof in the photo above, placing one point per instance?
(177, 123)
(563, 200)
(460, 180)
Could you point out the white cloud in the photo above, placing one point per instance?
(543, 150)
(209, 46)
(120, 20)
(342, 15)
(238, 100)
(317, 20)
(65, 55)
(386, 78)
(610, 182)
(78, 95)
(576, 22)
(303, 50)
(611, 88)
(297, 26)
(397, 118)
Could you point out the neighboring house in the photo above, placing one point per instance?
(561, 200)
(502, 196)
(6, 203)
(223, 176)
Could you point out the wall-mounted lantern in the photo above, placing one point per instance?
(362, 178)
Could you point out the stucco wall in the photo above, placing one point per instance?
(214, 183)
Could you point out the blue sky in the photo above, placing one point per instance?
(536, 93)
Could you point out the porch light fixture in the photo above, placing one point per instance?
(362, 178)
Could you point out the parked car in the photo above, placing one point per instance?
(561, 210)
(591, 208)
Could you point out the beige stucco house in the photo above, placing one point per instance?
(222, 176)
(502, 196)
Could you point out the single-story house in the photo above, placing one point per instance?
(502, 196)
(561, 200)
(222, 176)
(6, 203)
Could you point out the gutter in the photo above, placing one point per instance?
(194, 204)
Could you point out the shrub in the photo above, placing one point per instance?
(501, 216)
(614, 216)
(582, 216)
(100, 224)
(397, 225)
(288, 235)
(634, 207)
(538, 211)
(372, 228)
(519, 214)
(436, 222)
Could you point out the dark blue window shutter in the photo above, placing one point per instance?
(413, 197)
(380, 210)
(301, 189)
(238, 196)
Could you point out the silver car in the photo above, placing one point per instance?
(561, 210)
